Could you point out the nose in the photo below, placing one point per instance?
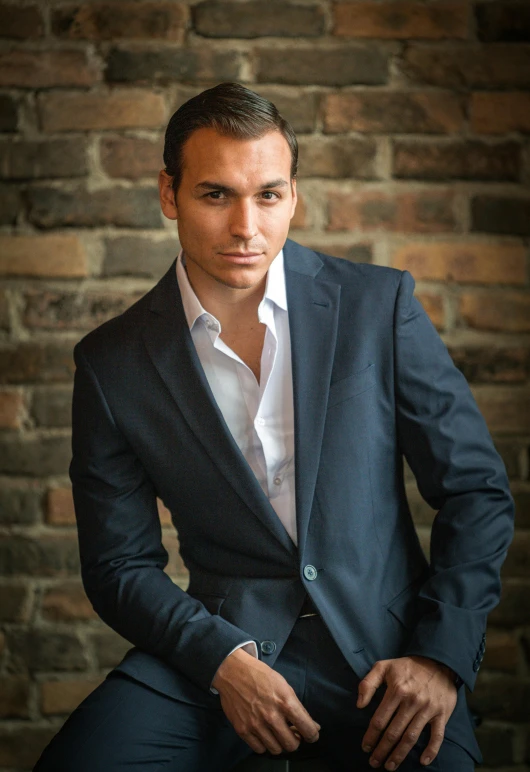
(243, 223)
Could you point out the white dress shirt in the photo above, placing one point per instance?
(260, 416)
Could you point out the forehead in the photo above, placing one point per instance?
(210, 155)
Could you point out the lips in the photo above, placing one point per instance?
(242, 258)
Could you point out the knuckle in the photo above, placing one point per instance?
(401, 691)
(410, 737)
(392, 735)
(378, 723)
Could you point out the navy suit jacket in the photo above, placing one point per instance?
(373, 383)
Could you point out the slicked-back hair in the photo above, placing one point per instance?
(233, 111)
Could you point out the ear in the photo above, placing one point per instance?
(295, 196)
(167, 196)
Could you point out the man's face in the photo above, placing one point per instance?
(233, 206)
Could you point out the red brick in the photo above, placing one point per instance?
(509, 215)
(496, 311)
(36, 160)
(44, 69)
(514, 609)
(502, 651)
(74, 310)
(66, 603)
(492, 364)
(55, 256)
(11, 409)
(14, 697)
(37, 362)
(15, 603)
(498, 65)
(434, 306)
(163, 513)
(51, 407)
(5, 322)
(503, 20)
(401, 19)
(164, 64)
(111, 21)
(506, 409)
(351, 157)
(415, 212)
(460, 159)
(20, 747)
(253, 18)
(23, 23)
(139, 255)
(43, 556)
(300, 219)
(74, 111)
(63, 697)
(394, 111)
(463, 262)
(131, 157)
(500, 113)
(60, 507)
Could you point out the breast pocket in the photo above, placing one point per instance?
(351, 386)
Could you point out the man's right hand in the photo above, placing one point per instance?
(261, 706)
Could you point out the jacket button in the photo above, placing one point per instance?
(268, 647)
(310, 573)
(476, 666)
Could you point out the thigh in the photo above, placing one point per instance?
(125, 725)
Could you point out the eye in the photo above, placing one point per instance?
(215, 195)
(269, 195)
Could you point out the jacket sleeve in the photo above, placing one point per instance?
(459, 473)
(122, 557)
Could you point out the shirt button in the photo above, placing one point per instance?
(260, 421)
(277, 480)
(268, 647)
(310, 573)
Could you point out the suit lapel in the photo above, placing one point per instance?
(170, 346)
(313, 316)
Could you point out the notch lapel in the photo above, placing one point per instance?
(171, 349)
(313, 318)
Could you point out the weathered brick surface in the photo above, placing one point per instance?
(11, 409)
(510, 453)
(505, 410)
(125, 207)
(496, 743)
(20, 747)
(459, 160)
(14, 603)
(43, 650)
(498, 65)
(78, 111)
(138, 256)
(73, 310)
(54, 256)
(109, 648)
(502, 652)
(62, 697)
(503, 20)
(8, 113)
(252, 19)
(20, 503)
(44, 69)
(491, 364)
(104, 21)
(37, 362)
(522, 508)
(171, 64)
(493, 214)
(300, 218)
(413, 112)
(463, 262)
(497, 311)
(350, 158)
(14, 697)
(9, 204)
(60, 507)
(34, 456)
(499, 113)
(50, 556)
(415, 212)
(52, 406)
(35, 160)
(401, 19)
(131, 157)
(337, 66)
(66, 603)
(518, 558)
(501, 697)
(434, 307)
(22, 23)
(301, 113)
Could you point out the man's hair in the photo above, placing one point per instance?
(233, 111)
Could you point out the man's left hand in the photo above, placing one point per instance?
(419, 691)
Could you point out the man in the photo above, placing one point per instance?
(268, 394)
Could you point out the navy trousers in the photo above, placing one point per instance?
(124, 725)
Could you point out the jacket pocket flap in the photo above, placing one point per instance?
(351, 386)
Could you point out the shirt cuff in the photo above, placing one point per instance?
(249, 646)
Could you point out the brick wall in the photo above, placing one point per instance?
(414, 122)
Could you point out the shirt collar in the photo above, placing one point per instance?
(193, 309)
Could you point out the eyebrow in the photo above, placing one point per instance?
(279, 183)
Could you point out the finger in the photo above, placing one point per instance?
(275, 741)
(379, 722)
(298, 715)
(370, 683)
(394, 734)
(409, 738)
(254, 742)
(435, 741)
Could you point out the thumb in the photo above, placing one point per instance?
(370, 683)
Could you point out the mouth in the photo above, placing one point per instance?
(242, 258)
